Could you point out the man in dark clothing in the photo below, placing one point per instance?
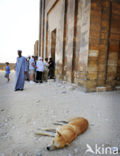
(51, 68)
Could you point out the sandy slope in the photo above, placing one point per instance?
(39, 105)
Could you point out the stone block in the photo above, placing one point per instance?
(100, 82)
(93, 53)
(100, 89)
(92, 61)
(111, 76)
(90, 84)
(102, 59)
(92, 76)
(101, 75)
(117, 87)
(109, 88)
(82, 75)
(105, 23)
(104, 36)
(112, 68)
(81, 82)
(101, 67)
(92, 68)
(118, 83)
(110, 83)
(90, 90)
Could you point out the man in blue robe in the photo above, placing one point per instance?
(21, 68)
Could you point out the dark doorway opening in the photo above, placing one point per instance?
(74, 42)
(53, 49)
(53, 44)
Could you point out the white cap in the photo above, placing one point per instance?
(40, 58)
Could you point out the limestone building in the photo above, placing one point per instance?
(83, 37)
(36, 48)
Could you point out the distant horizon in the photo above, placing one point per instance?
(9, 62)
(19, 28)
(16, 59)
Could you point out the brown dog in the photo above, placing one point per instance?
(67, 133)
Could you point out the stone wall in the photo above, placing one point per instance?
(83, 36)
(36, 48)
(104, 46)
(68, 18)
(56, 23)
(69, 41)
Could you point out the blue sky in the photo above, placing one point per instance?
(19, 28)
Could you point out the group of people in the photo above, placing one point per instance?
(33, 69)
(40, 70)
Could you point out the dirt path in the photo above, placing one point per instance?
(39, 105)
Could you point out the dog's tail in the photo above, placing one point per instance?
(47, 129)
(62, 122)
(45, 133)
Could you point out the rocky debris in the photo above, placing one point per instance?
(20, 154)
(92, 125)
(38, 101)
(4, 134)
(28, 120)
(99, 114)
(71, 87)
(53, 116)
(69, 154)
(50, 81)
(39, 154)
(101, 89)
(59, 85)
(106, 119)
(66, 112)
(54, 104)
(75, 150)
(2, 154)
(2, 110)
(21, 116)
(63, 92)
(14, 127)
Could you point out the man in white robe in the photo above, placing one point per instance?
(21, 68)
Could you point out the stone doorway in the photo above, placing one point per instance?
(53, 44)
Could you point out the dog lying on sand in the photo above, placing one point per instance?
(67, 133)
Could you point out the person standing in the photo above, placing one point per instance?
(27, 72)
(36, 58)
(40, 69)
(7, 71)
(32, 69)
(21, 68)
(45, 73)
(51, 68)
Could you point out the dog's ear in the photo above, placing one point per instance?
(59, 134)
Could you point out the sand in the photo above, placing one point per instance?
(40, 105)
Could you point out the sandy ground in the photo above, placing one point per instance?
(40, 105)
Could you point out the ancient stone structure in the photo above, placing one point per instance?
(83, 37)
(36, 48)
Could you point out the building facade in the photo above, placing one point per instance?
(36, 48)
(83, 38)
